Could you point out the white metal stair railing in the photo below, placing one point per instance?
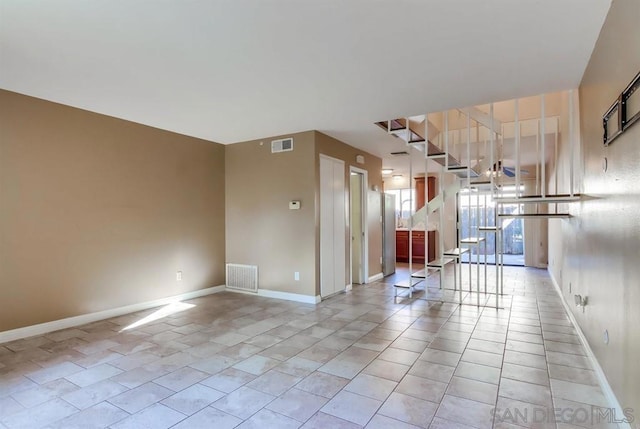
(476, 240)
(402, 129)
(543, 197)
(437, 203)
(408, 130)
(413, 139)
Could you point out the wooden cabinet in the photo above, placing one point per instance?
(417, 237)
(402, 246)
(420, 184)
(417, 246)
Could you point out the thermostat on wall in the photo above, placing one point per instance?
(294, 205)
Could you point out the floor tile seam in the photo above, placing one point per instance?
(257, 411)
(579, 343)
(551, 394)
(525, 341)
(567, 353)
(457, 309)
(547, 406)
(29, 408)
(473, 379)
(466, 399)
(280, 414)
(572, 367)
(189, 415)
(399, 421)
(528, 382)
(437, 404)
(493, 422)
(128, 414)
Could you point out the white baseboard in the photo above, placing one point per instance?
(348, 287)
(69, 322)
(602, 378)
(376, 277)
(287, 296)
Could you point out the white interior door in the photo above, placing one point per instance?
(332, 226)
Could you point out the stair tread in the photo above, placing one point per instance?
(462, 171)
(419, 274)
(440, 263)
(471, 240)
(456, 251)
(408, 283)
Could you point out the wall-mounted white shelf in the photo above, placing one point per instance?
(559, 198)
(535, 215)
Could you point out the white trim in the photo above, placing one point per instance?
(348, 287)
(602, 378)
(376, 277)
(322, 155)
(83, 319)
(364, 213)
(287, 296)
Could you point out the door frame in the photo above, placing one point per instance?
(365, 228)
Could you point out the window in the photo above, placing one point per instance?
(405, 202)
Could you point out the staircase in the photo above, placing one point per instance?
(470, 175)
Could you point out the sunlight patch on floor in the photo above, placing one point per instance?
(174, 307)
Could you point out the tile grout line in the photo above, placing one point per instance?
(458, 309)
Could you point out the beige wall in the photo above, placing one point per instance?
(334, 148)
(97, 213)
(261, 230)
(597, 250)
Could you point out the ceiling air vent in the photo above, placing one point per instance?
(282, 145)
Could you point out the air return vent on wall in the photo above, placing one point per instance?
(282, 145)
(242, 277)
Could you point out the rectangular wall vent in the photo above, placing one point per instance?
(242, 277)
(282, 145)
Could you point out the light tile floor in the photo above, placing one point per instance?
(359, 359)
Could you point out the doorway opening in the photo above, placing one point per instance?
(358, 225)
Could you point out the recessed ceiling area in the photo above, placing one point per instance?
(529, 153)
(231, 71)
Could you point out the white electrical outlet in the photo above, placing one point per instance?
(179, 276)
(296, 276)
